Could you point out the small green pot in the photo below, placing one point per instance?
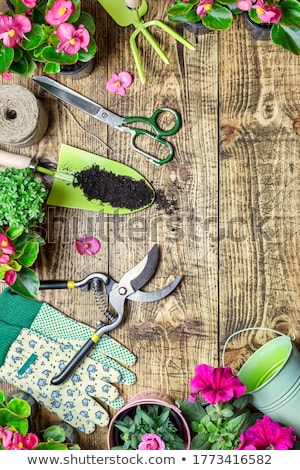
(272, 377)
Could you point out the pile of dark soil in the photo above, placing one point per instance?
(117, 190)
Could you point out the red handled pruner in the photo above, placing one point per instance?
(128, 288)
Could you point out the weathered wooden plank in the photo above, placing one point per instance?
(259, 190)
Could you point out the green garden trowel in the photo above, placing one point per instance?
(73, 167)
(123, 15)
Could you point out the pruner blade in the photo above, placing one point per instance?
(142, 296)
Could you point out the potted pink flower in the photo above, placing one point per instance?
(53, 32)
(149, 421)
(221, 418)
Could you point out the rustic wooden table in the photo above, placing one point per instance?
(231, 223)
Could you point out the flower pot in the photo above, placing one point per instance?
(149, 397)
(78, 70)
(272, 378)
(197, 28)
(260, 32)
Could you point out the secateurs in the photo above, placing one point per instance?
(118, 292)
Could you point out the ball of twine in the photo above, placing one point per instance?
(23, 120)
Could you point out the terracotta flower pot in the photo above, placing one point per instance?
(149, 397)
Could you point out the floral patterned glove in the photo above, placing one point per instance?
(29, 362)
(45, 320)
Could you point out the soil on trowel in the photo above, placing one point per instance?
(117, 190)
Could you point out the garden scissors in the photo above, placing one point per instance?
(123, 124)
(118, 292)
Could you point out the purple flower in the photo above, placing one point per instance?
(266, 434)
(215, 384)
(87, 245)
(151, 442)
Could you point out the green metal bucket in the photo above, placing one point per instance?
(272, 378)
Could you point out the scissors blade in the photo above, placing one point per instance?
(141, 296)
(78, 101)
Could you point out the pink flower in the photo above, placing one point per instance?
(267, 13)
(5, 436)
(72, 39)
(6, 75)
(29, 3)
(10, 277)
(19, 442)
(118, 82)
(266, 434)
(87, 245)
(151, 442)
(244, 5)
(215, 384)
(60, 11)
(6, 245)
(12, 29)
(203, 7)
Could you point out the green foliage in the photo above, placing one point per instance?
(26, 244)
(218, 17)
(149, 419)
(218, 428)
(22, 198)
(14, 414)
(41, 42)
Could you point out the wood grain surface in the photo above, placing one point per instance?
(230, 225)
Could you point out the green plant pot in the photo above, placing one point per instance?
(272, 377)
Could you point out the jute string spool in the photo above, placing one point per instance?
(23, 120)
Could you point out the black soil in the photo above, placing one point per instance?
(117, 190)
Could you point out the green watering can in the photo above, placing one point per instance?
(130, 12)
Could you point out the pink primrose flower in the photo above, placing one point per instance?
(266, 434)
(60, 12)
(6, 75)
(29, 3)
(12, 29)
(267, 13)
(71, 39)
(203, 7)
(5, 436)
(118, 82)
(244, 5)
(87, 245)
(6, 245)
(215, 384)
(10, 277)
(19, 442)
(151, 442)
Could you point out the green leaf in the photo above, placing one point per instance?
(51, 68)
(191, 411)
(88, 21)
(14, 421)
(19, 407)
(218, 18)
(35, 37)
(200, 442)
(179, 9)
(2, 397)
(51, 446)
(54, 433)
(6, 57)
(30, 254)
(290, 13)
(49, 54)
(234, 425)
(288, 38)
(14, 232)
(27, 283)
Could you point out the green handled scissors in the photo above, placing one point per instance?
(123, 124)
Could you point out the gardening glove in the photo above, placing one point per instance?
(45, 320)
(30, 361)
